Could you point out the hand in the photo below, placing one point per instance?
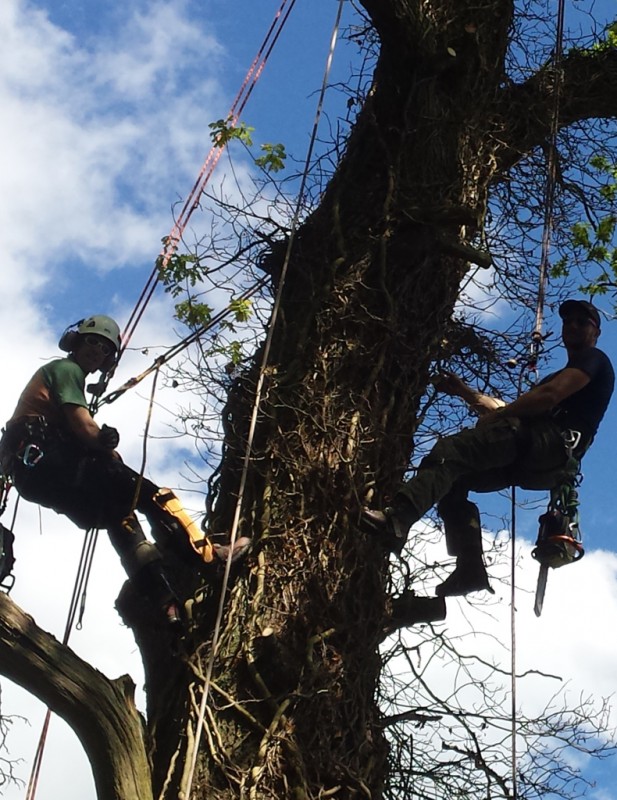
(108, 437)
(448, 383)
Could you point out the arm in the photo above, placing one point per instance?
(545, 397)
(81, 423)
(480, 403)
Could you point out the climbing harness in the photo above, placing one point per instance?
(559, 539)
(26, 438)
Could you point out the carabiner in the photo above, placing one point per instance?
(32, 455)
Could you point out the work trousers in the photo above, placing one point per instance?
(529, 453)
(97, 491)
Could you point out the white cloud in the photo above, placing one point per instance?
(96, 142)
(570, 647)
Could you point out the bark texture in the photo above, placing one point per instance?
(100, 711)
(373, 279)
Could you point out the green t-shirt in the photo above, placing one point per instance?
(60, 382)
(66, 382)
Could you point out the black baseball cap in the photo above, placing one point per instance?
(582, 307)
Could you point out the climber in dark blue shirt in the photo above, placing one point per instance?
(535, 442)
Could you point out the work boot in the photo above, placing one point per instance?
(468, 576)
(410, 609)
(392, 524)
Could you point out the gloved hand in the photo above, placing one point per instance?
(108, 437)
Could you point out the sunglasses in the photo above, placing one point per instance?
(582, 321)
(105, 347)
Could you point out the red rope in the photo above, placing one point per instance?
(38, 759)
(207, 169)
(171, 245)
(83, 573)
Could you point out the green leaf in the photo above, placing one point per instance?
(605, 229)
(560, 269)
(235, 352)
(241, 309)
(273, 158)
(580, 234)
(194, 315)
(601, 163)
(223, 131)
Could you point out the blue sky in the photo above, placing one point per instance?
(105, 119)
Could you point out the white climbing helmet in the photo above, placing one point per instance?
(101, 326)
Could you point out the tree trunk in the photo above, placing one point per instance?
(372, 282)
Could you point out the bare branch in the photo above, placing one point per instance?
(101, 711)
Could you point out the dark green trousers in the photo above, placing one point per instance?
(529, 453)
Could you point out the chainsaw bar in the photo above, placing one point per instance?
(540, 589)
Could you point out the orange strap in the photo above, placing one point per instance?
(168, 501)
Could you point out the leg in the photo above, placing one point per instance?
(94, 491)
(469, 453)
(463, 533)
(173, 527)
(51, 481)
(461, 520)
(114, 489)
(545, 463)
(542, 464)
(143, 565)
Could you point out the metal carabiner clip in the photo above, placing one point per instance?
(571, 439)
(32, 455)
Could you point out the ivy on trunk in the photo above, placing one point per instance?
(372, 282)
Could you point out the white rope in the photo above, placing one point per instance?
(513, 701)
(256, 405)
(549, 203)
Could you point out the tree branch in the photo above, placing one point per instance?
(588, 90)
(100, 711)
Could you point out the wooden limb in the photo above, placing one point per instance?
(410, 609)
(420, 718)
(588, 90)
(100, 711)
